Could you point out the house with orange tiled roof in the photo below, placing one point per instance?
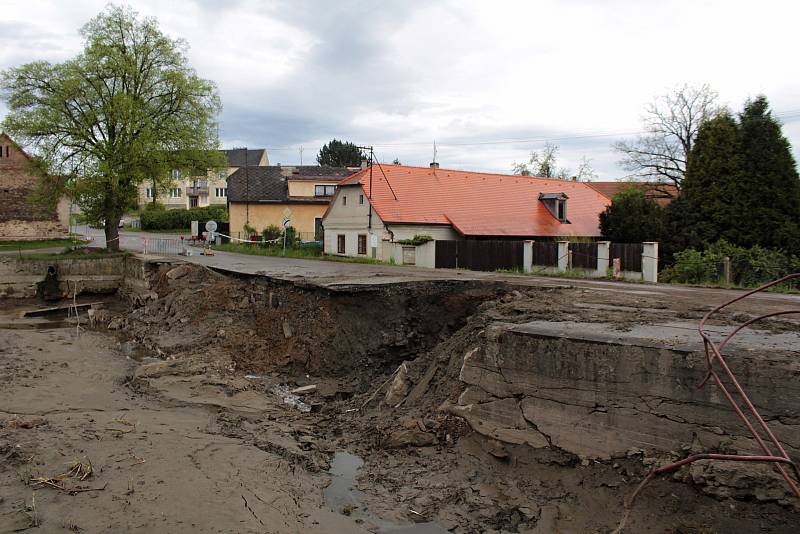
(659, 192)
(382, 205)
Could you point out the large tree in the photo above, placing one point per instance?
(632, 218)
(544, 163)
(340, 154)
(741, 184)
(671, 124)
(770, 181)
(125, 110)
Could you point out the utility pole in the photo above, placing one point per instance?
(247, 190)
(301, 156)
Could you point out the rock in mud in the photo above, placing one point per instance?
(410, 437)
(178, 272)
(399, 387)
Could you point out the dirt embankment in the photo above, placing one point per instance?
(388, 365)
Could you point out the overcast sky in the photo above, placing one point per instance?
(488, 80)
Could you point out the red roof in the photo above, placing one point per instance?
(660, 193)
(479, 204)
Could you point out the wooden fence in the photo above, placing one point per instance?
(630, 255)
(545, 253)
(584, 255)
(479, 255)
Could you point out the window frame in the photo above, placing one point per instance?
(362, 240)
(360, 199)
(341, 244)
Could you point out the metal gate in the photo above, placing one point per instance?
(479, 255)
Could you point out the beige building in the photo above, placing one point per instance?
(264, 196)
(208, 190)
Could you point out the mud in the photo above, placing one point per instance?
(173, 403)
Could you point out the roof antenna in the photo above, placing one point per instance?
(301, 155)
(433, 163)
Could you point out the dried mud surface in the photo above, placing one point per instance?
(172, 403)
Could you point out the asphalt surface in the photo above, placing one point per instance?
(334, 274)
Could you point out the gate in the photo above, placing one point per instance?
(630, 255)
(479, 255)
(584, 255)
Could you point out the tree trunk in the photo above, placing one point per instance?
(112, 233)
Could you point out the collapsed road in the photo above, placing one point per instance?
(207, 402)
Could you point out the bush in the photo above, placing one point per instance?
(417, 240)
(157, 217)
(750, 267)
(271, 233)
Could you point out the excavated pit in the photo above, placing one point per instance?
(474, 405)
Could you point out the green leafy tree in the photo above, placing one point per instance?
(632, 218)
(127, 109)
(340, 154)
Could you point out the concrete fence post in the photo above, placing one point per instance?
(527, 256)
(603, 257)
(650, 262)
(563, 256)
(726, 266)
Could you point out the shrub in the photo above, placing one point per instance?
(750, 267)
(158, 217)
(417, 240)
(271, 233)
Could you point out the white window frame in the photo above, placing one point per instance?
(175, 192)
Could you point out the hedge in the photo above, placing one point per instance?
(160, 218)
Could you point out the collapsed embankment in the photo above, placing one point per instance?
(586, 375)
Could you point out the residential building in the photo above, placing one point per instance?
(210, 189)
(19, 217)
(661, 193)
(384, 204)
(263, 196)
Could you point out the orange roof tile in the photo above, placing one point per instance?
(479, 204)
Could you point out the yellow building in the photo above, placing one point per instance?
(262, 196)
(210, 189)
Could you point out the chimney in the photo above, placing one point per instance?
(364, 164)
(434, 165)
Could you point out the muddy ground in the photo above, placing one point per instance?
(173, 415)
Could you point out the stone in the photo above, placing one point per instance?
(399, 386)
(408, 437)
(287, 330)
(302, 390)
(178, 272)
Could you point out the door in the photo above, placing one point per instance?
(193, 202)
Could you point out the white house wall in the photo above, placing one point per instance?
(350, 220)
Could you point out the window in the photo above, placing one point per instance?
(561, 206)
(149, 192)
(175, 192)
(360, 199)
(362, 243)
(324, 190)
(344, 201)
(221, 192)
(340, 243)
(194, 202)
(176, 174)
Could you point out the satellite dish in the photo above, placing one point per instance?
(211, 226)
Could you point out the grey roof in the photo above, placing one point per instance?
(236, 156)
(269, 184)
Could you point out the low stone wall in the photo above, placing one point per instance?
(19, 278)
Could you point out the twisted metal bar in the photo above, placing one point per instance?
(714, 355)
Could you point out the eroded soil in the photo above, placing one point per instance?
(173, 406)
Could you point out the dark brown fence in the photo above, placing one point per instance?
(584, 255)
(545, 253)
(630, 255)
(479, 255)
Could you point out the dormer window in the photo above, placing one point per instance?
(556, 204)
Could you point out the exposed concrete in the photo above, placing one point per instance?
(596, 392)
(18, 278)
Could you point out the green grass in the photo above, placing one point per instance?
(310, 253)
(70, 254)
(34, 244)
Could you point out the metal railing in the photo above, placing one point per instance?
(163, 246)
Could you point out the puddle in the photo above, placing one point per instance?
(342, 495)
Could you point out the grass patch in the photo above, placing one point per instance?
(308, 253)
(42, 243)
(74, 254)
